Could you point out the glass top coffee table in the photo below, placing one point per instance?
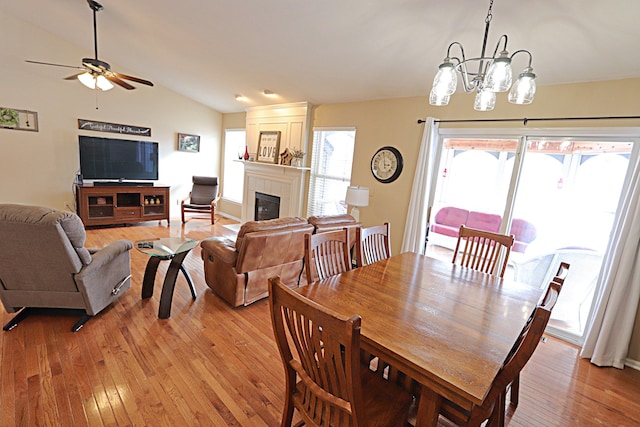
(174, 249)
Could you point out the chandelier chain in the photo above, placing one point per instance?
(489, 14)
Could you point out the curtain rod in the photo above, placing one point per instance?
(525, 120)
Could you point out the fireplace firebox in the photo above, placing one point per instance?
(267, 207)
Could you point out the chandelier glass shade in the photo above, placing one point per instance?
(494, 74)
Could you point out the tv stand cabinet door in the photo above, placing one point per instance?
(95, 205)
(155, 203)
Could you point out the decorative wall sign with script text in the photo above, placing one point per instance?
(113, 128)
(268, 147)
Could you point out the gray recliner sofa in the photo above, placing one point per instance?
(44, 264)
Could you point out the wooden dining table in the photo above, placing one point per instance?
(447, 327)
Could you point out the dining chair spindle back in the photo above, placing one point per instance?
(373, 244)
(326, 254)
(482, 250)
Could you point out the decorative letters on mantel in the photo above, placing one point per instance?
(113, 128)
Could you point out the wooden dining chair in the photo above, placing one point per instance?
(563, 271)
(493, 407)
(372, 244)
(326, 254)
(557, 282)
(325, 381)
(482, 250)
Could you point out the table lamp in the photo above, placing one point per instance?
(357, 196)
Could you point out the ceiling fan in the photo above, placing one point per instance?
(97, 74)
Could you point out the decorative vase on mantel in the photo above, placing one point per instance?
(298, 155)
(246, 152)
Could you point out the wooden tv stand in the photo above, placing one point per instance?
(121, 204)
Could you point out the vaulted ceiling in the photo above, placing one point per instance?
(331, 51)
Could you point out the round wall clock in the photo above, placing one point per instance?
(386, 164)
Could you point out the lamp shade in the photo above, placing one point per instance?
(357, 196)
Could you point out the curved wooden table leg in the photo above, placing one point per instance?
(189, 281)
(164, 312)
(150, 276)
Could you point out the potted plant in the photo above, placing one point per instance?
(297, 157)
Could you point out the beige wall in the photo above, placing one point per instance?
(39, 167)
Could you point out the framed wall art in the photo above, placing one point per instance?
(12, 118)
(268, 147)
(189, 143)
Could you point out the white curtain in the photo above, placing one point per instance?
(609, 332)
(415, 230)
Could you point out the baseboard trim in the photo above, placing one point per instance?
(226, 215)
(633, 364)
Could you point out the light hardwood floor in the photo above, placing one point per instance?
(212, 365)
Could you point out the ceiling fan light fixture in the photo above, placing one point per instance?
(269, 93)
(87, 80)
(92, 81)
(103, 83)
(241, 98)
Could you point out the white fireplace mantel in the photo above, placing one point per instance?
(286, 182)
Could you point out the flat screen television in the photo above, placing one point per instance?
(119, 159)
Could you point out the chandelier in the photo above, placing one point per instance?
(493, 75)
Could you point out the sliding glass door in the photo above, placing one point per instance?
(557, 195)
(569, 189)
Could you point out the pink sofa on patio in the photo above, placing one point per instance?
(448, 220)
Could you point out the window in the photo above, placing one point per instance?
(233, 182)
(331, 162)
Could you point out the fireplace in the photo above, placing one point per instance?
(267, 207)
(285, 182)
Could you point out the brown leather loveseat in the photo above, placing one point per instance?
(238, 271)
(324, 223)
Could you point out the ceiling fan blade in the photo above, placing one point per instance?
(113, 79)
(133, 79)
(73, 77)
(55, 65)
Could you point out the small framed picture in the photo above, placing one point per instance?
(11, 118)
(268, 147)
(189, 143)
